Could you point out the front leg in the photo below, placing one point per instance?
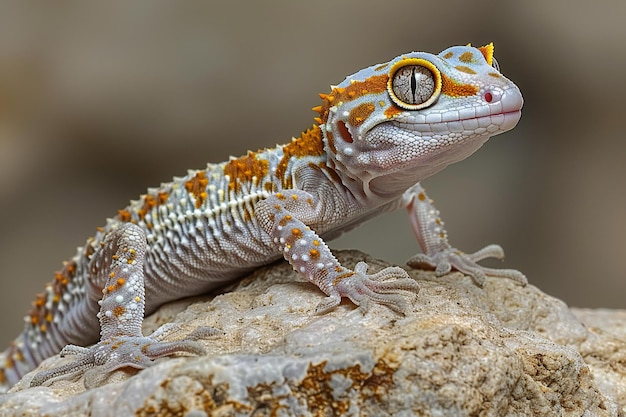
(284, 216)
(438, 254)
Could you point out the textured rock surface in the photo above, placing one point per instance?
(503, 350)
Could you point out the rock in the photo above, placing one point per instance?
(501, 350)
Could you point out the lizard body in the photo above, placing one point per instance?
(379, 132)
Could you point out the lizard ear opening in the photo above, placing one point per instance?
(345, 133)
(414, 83)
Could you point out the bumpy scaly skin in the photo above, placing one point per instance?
(379, 132)
(121, 314)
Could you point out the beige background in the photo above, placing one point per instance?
(99, 102)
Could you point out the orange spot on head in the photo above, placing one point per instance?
(297, 233)
(360, 113)
(392, 111)
(452, 88)
(465, 69)
(314, 253)
(372, 85)
(121, 281)
(448, 55)
(466, 57)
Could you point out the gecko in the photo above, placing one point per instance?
(377, 135)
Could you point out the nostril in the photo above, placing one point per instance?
(488, 97)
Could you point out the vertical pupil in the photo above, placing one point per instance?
(413, 85)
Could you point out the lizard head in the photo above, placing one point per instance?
(391, 125)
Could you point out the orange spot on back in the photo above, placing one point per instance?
(123, 216)
(196, 186)
(310, 143)
(246, 169)
(151, 201)
(448, 55)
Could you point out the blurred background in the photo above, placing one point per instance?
(98, 101)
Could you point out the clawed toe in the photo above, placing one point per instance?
(391, 287)
(446, 260)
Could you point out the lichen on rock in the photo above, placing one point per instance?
(498, 350)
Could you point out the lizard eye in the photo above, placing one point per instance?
(414, 83)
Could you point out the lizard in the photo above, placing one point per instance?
(377, 135)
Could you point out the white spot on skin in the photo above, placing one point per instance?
(119, 299)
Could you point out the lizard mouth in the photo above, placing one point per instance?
(499, 111)
(468, 126)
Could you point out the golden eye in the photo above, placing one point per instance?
(414, 83)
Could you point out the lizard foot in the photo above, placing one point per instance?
(450, 258)
(122, 345)
(391, 286)
(102, 359)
